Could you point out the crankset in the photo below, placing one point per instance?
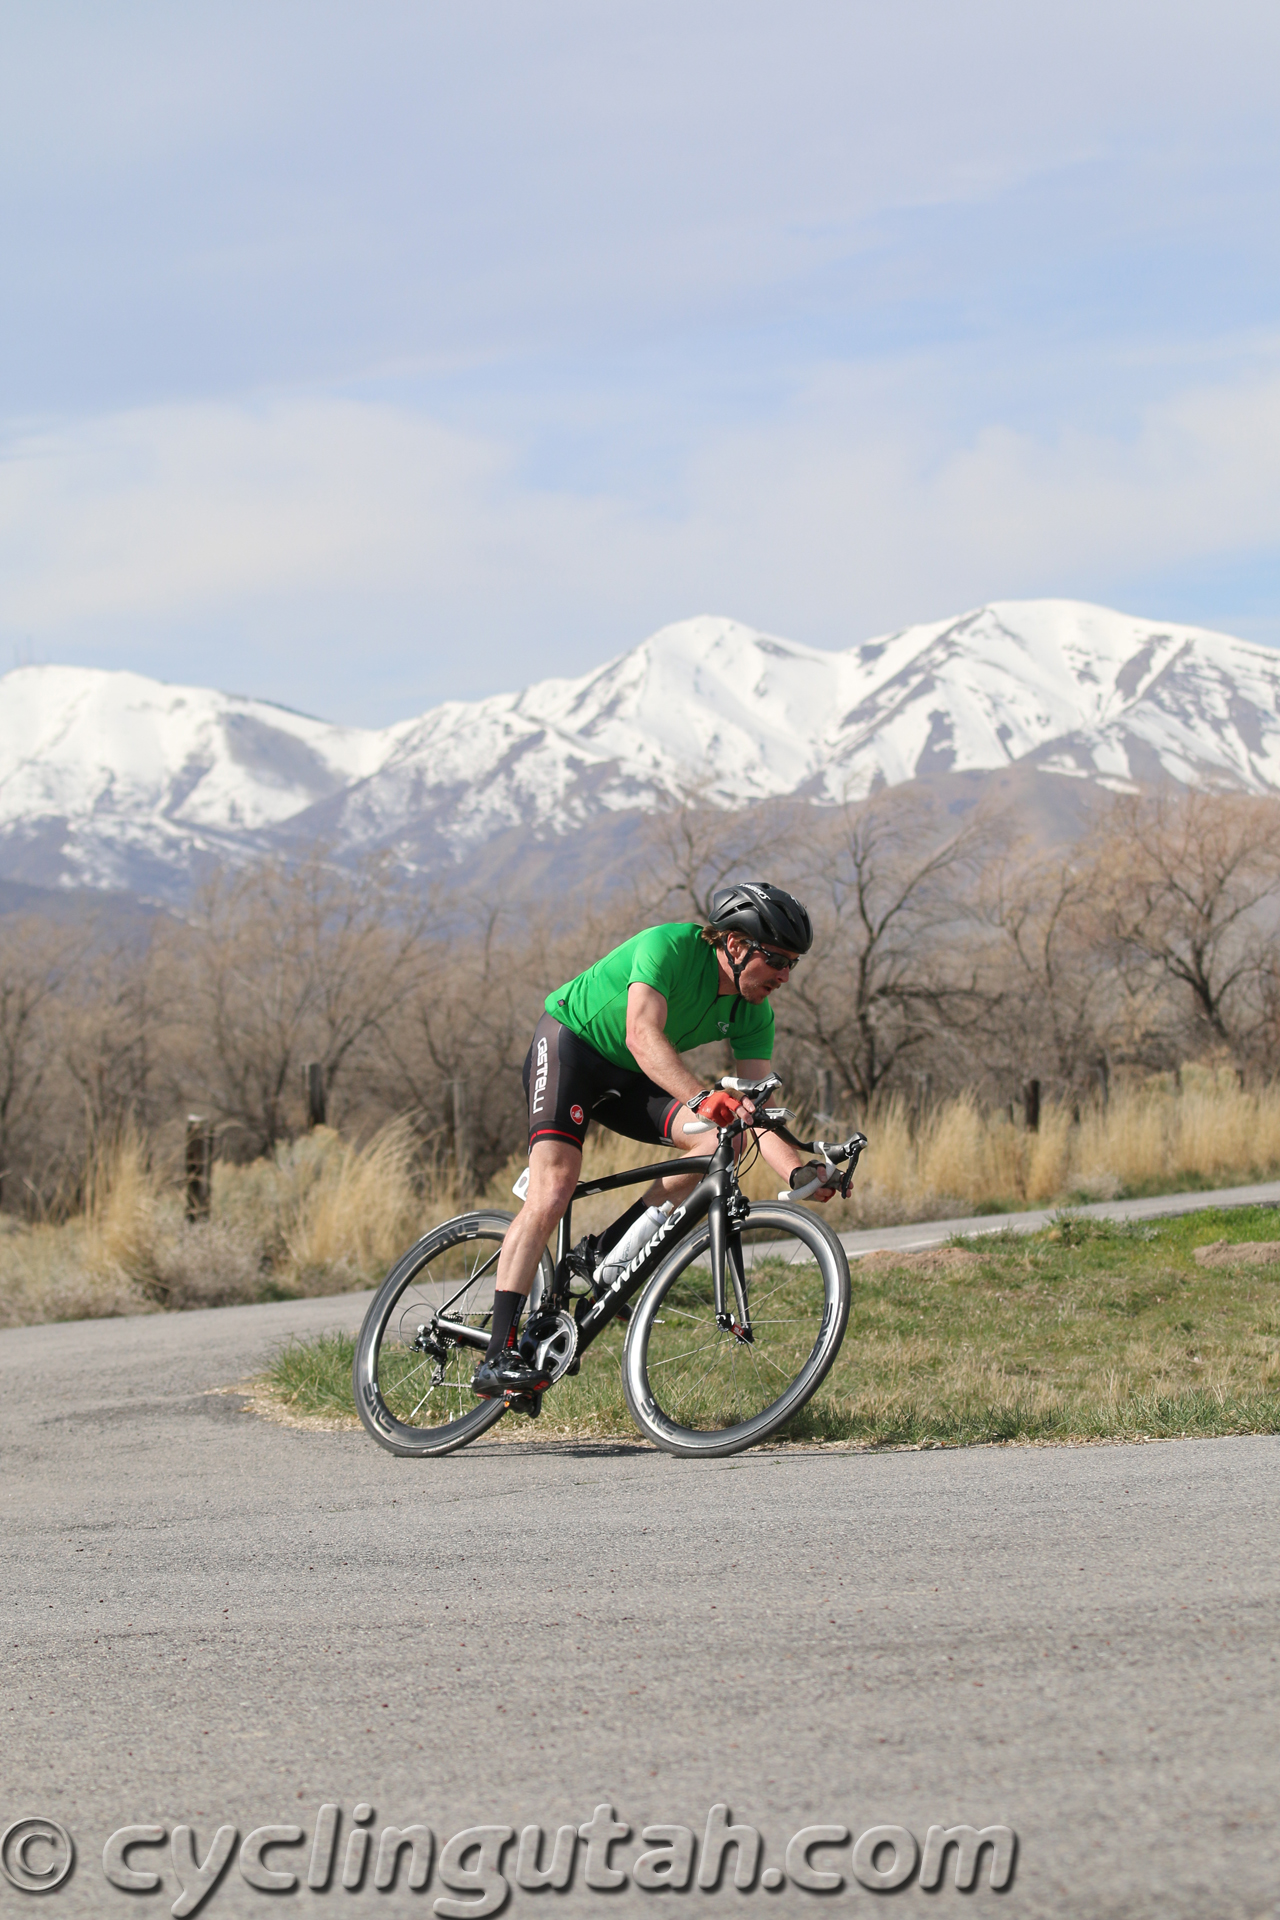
(550, 1343)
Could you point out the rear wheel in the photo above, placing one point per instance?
(425, 1334)
(695, 1388)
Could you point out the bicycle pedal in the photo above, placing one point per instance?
(526, 1403)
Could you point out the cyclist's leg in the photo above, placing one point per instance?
(557, 1081)
(676, 1187)
(647, 1112)
(554, 1168)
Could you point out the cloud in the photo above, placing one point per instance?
(873, 517)
(342, 524)
(161, 511)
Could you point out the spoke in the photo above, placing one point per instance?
(758, 1358)
(710, 1380)
(687, 1354)
(693, 1385)
(419, 1388)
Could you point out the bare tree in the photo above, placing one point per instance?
(693, 847)
(1190, 882)
(281, 966)
(35, 959)
(1053, 1010)
(465, 1024)
(893, 974)
(113, 1034)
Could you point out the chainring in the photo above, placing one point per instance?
(555, 1351)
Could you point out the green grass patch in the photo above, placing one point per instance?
(1089, 1330)
(312, 1378)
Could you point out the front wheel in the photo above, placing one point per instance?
(425, 1334)
(697, 1389)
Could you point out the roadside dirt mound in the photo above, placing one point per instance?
(930, 1260)
(1238, 1253)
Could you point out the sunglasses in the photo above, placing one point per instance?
(780, 962)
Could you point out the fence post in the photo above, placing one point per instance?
(824, 1097)
(313, 1093)
(199, 1166)
(461, 1138)
(1031, 1105)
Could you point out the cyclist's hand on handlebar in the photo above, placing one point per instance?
(804, 1175)
(718, 1107)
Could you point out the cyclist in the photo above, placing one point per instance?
(612, 1038)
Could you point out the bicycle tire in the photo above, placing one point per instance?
(698, 1391)
(401, 1403)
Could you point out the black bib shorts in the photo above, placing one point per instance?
(570, 1084)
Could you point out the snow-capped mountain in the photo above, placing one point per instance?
(113, 780)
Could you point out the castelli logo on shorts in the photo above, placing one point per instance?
(540, 1077)
(577, 1116)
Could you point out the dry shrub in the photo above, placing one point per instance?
(361, 1208)
(99, 1265)
(1125, 1141)
(959, 1159)
(44, 1276)
(1049, 1164)
(209, 1263)
(321, 1215)
(122, 1207)
(1213, 1128)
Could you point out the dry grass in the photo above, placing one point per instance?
(1147, 1139)
(324, 1215)
(321, 1216)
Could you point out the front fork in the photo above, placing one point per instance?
(728, 1210)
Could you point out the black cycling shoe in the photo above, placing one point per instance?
(509, 1373)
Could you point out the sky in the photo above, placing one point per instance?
(365, 357)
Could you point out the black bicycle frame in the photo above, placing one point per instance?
(710, 1196)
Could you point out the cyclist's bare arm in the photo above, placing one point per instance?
(782, 1158)
(650, 1047)
(655, 1056)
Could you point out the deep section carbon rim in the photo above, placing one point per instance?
(413, 1363)
(696, 1389)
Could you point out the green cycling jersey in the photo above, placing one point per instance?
(677, 962)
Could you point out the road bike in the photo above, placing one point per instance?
(742, 1307)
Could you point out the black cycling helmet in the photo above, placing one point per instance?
(764, 913)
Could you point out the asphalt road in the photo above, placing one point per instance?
(211, 1621)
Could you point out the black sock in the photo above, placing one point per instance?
(506, 1309)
